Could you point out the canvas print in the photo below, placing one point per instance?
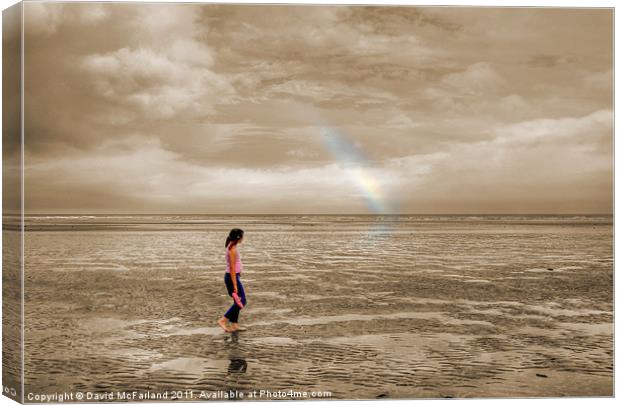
(209, 201)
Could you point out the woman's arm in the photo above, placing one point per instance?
(233, 263)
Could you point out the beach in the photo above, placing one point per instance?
(362, 307)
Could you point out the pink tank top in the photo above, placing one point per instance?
(238, 264)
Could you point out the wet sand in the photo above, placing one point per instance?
(11, 311)
(412, 311)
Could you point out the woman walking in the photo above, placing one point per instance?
(234, 268)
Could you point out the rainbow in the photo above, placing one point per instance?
(349, 155)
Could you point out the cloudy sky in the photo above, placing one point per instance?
(197, 108)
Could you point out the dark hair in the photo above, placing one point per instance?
(234, 236)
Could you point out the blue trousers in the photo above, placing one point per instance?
(233, 312)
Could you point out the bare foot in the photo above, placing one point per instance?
(222, 323)
(235, 327)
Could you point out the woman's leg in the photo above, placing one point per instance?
(233, 312)
(241, 290)
(224, 319)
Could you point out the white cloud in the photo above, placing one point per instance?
(528, 165)
(557, 131)
(326, 91)
(514, 104)
(139, 168)
(44, 18)
(402, 121)
(158, 23)
(301, 153)
(517, 169)
(466, 90)
(475, 79)
(166, 70)
(93, 13)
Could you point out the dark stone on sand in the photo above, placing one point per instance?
(382, 395)
(541, 375)
(550, 269)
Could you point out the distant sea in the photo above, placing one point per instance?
(379, 223)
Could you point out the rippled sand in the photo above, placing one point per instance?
(407, 311)
(11, 313)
